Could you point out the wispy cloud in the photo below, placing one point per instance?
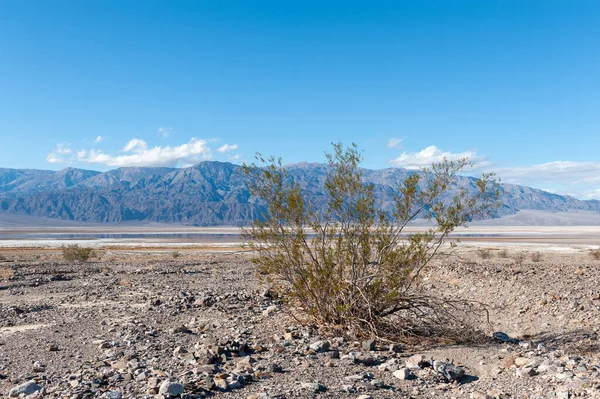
(580, 179)
(165, 131)
(98, 139)
(53, 158)
(58, 155)
(431, 154)
(227, 147)
(137, 153)
(135, 145)
(63, 148)
(394, 143)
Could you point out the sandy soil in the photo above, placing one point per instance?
(127, 324)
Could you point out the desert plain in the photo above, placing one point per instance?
(181, 313)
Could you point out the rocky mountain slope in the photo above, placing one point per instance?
(210, 193)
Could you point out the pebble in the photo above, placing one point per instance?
(416, 362)
(313, 387)
(369, 345)
(171, 388)
(402, 373)
(320, 346)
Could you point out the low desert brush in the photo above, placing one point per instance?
(519, 258)
(125, 282)
(75, 253)
(6, 273)
(356, 272)
(503, 253)
(536, 257)
(595, 253)
(484, 253)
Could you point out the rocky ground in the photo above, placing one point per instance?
(196, 323)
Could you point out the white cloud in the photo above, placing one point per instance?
(591, 194)
(431, 154)
(234, 158)
(394, 143)
(60, 150)
(227, 147)
(165, 131)
(138, 154)
(63, 148)
(579, 179)
(53, 158)
(135, 145)
(98, 139)
(568, 172)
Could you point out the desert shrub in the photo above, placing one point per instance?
(503, 253)
(6, 273)
(175, 254)
(519, 258)
(484, 253)
(75, 253)
(125, 282)
(349, 267)
(595, 253)
(536, 257)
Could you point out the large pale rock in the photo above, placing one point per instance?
(171, 388)
(26, 388)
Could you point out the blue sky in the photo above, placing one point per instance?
(102, 84)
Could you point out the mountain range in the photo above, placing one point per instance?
(207, 194)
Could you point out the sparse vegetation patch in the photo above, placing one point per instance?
(75, 253)
(503, 253)
(356, 275)
(536, 257)
(6, 273)
(484, 253)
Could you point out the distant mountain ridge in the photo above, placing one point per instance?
(208, 194)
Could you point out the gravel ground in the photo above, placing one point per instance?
(196, 323)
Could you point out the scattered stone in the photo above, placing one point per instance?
(378, 383)
(171, 388)
(526, 372)
(503, 337)
(180, 330)
(522, 361)
(26, 388)
(321, 346)
(369, 345)
(479, 395)
(395, 348)
(402, 373)
(112, 395)
(269, 310)
(313, 387)
(416, 362)
(39, 367)
(449, 371)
